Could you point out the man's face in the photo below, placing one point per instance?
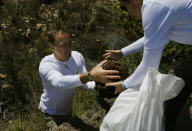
(63, 49)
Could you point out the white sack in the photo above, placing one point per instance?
(141, 108)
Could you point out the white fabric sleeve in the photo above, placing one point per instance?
(134, 47)
(151, 58)
(91, 84)
(57, 79)
(157, 20)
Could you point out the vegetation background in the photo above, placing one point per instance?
(94, 25)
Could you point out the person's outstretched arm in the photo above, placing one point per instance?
(156, 27)
(151, 58)
(134, 47)
(128, 50)
(51, 75)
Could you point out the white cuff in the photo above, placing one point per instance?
(134, 47)
(124, 51)
(90, 85)
(77, 81)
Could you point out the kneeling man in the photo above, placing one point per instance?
(63, 71)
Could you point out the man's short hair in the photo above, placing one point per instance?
(56, 36)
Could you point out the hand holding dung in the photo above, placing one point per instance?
(100, 75)
(108, 91)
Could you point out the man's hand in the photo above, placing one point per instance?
(118, 85)
(103, 76)
(113, 54)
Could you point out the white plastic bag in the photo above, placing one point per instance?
(141, 108)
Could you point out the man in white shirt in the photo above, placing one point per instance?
(62, 72)
(162, 20)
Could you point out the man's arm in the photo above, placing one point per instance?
(128, 50)
(134, 47)
(151, 58)
(57, 79)
(90, 85)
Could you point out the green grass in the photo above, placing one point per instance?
(83, 100)
(23, 42)
(32, 121)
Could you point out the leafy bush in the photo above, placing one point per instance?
(94, 25)
(23, 40)
(175, 51)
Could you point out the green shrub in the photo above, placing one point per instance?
(94, 26)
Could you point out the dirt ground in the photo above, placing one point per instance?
(90, 120)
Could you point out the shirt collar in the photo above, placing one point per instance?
(58, 61)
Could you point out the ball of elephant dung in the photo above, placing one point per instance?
(115, 65)
(108, 92)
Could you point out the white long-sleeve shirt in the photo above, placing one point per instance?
(60, 80)
(162, 20)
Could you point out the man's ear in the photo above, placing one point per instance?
(51, 46)
(136, 2)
